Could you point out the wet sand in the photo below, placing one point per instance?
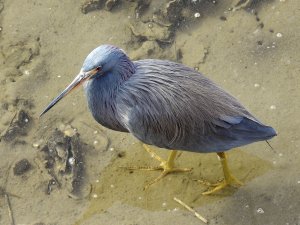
(255, 56)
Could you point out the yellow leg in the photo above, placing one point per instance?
(165, 166)
(229, 179)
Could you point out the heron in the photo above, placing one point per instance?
(168, 105)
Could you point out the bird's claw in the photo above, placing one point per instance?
(163, 166)
(229, 181)
(166, 170)
(148, 168)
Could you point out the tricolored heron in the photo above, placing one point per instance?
(165, 104)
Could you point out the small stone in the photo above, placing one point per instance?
(111, 149)
(223, 18)
(71, 161)
(21, 167)
(256, 85)
(69, 132)
(164, 204)
(95, 142)
(272, 107)
(95, 196)
(280, 154)
(112, 186)
(298, 182)
(260, 211)
(259, 42)
(121, 154)
(197, 15)
(38, 143)
(279, 35)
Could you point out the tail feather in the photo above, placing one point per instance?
(255, 129)
(243, 132)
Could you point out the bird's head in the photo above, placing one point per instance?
(102, 60)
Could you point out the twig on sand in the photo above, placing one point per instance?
(241, 4)
(6, 196)
(10, 213)
(191, 210)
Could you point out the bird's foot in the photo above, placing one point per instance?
(166, 169)
(167, 166)
(164, 166)
(230, 180)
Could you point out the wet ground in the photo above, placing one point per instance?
(251, 48)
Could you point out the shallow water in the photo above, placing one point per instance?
(252, 52)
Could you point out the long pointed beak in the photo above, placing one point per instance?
(82, 76)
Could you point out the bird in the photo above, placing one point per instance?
(168, 105)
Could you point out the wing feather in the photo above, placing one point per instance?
(172, 106)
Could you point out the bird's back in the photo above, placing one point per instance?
(173, 106)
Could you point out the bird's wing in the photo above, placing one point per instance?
(172, 106)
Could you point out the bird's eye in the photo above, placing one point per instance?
(98, 68)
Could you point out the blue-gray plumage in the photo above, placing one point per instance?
(167, 104)
(164, 103)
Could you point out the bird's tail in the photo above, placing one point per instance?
(251, 130)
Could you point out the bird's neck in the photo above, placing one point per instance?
(124, 69)
(101, 94)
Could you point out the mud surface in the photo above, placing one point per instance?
(66, 169)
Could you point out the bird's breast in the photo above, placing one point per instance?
(101, 103)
